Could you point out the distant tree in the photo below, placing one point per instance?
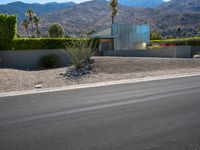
(36, 21)
(179, 31)
(155, 35)
(113, 5)
(198, 30)
(91, 32)
(30, 14)
(25, 24)
(56, 30)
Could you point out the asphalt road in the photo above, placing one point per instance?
(155, 115)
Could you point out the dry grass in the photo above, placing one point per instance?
(106, 68)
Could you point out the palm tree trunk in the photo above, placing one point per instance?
(37, 28)
(112, 33)
(27, 33)
(32, 29)
(113, 20)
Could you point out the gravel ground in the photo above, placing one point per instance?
(106, 69)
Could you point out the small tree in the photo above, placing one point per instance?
(56, 30)
(155, 35)
(179, 31)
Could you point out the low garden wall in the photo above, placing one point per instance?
(29, 59)
(167, 52)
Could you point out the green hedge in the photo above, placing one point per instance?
(195, 41)
(42, 43)
(7, 31)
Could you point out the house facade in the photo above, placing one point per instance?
(123, 37)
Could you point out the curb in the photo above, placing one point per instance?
(98, 84)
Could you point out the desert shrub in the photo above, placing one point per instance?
(7, 31)
(50, 61)
(42, 43)
(81, 51)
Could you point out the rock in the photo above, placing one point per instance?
(38, 86)
(196, 56)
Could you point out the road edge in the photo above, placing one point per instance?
(98, 84)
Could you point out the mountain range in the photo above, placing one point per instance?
(20, 8)
(167, 17)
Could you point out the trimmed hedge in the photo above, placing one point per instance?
(7, 31)
(42, 43)
(195, 41)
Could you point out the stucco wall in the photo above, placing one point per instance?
(29, 59)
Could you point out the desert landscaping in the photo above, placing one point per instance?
(105, 69)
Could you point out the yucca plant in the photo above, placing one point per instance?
(80, 52)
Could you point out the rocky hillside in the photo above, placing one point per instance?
(83, 18)
(183, 6)
(19, 8)
(94, 15)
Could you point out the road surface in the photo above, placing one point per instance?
(154, 115)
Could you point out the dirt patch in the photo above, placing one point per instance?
(106, 69)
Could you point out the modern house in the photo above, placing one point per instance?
(124, 37)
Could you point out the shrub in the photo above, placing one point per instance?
(42, 43)
(155, 35)
(50, 61)
(7, 31)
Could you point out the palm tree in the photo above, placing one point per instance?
(36, 21)
(30, 14)
(25, 24)
(113, 5)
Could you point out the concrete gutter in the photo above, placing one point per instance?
(99, 84)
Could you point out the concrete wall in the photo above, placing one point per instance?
(168, 52)
(29, 59)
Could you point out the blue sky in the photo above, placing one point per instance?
(44, 1)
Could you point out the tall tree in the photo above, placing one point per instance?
(113, 5)
(36, 21)
(25, 24)
(114, 10)
(30, 14)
